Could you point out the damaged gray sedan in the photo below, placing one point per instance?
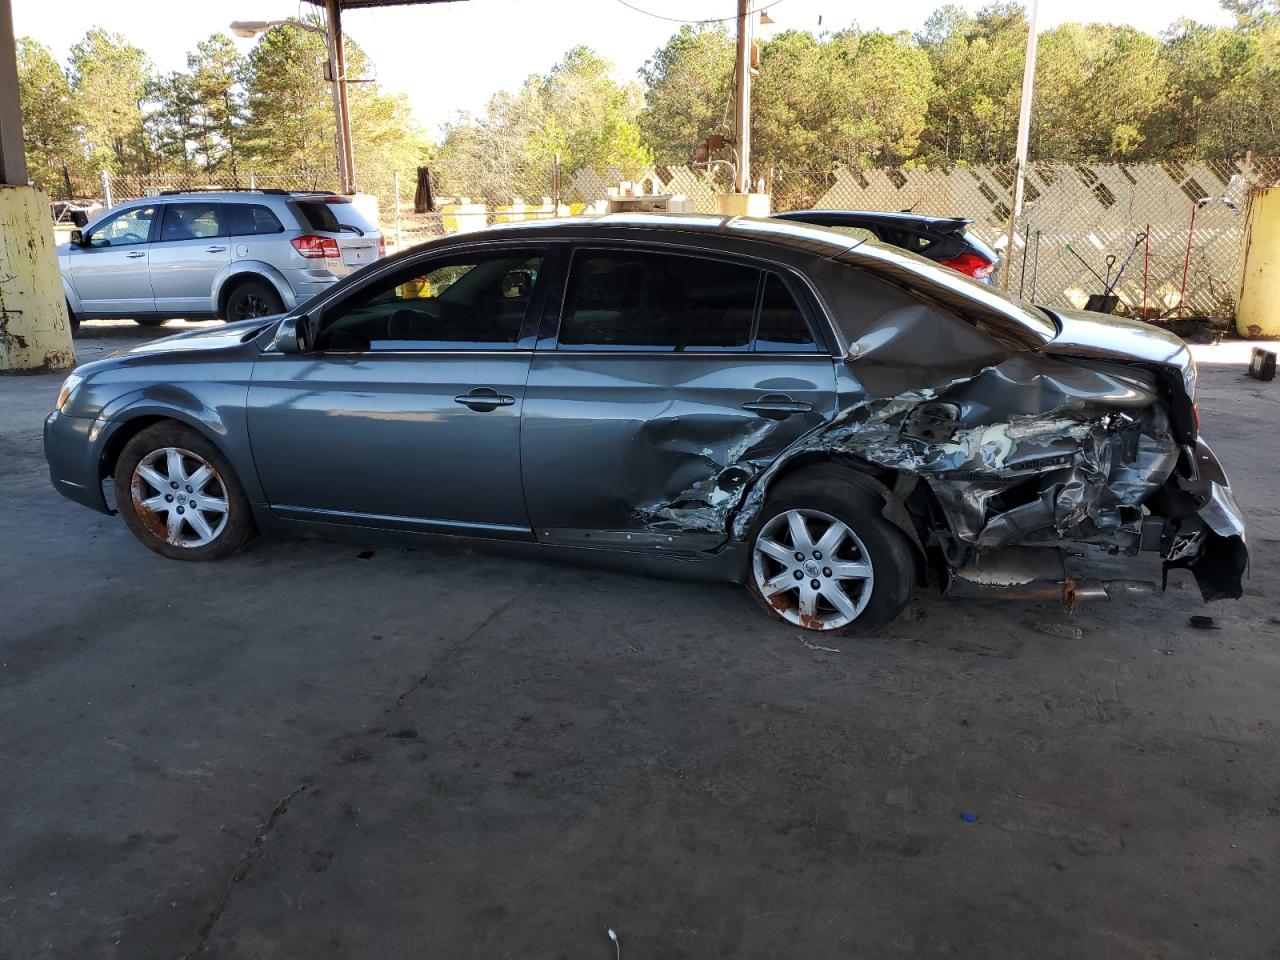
(834, 422)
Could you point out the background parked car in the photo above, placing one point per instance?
(234, 255)
(945, 240)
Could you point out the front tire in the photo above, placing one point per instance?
(256, 298)
(179, 495)
(72, 320)
(824, 558)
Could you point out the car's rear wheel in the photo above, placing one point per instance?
(823, 557)
(179, 495)
(148, 321)
(256, 298)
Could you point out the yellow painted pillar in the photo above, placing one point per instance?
(743, 204)
(1258, 314)
(35, 335)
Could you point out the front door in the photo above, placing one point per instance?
(191, 248)
(406, 413)
(672, 381)
(110, 270)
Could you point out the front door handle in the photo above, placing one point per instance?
(135, 254)
(777, 406)
(214, 249)
(484, 399)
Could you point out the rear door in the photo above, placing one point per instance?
(191, 249)
(669, 381)
(110, 271)
(406, 414)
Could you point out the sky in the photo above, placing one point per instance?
(451, 57)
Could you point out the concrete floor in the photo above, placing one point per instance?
(301, 753)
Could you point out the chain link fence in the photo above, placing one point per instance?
(1085, 229)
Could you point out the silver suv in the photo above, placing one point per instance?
(228, 254)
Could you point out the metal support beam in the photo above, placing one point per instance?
(742, 97)
(341, 109)
(13, 160)
(1024, 136)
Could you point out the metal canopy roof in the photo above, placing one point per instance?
(361, 4)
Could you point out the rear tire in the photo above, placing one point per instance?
(178, 495)
(832, 533)
(256, 298)
(146, 321)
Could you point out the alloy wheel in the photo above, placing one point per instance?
(250, 306)
(812, 569)
(179, 497)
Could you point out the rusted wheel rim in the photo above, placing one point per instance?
(180, 498)
(813, 569)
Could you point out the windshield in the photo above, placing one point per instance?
(949, 285)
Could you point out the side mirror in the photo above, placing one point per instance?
(295, 335)
(77, 238)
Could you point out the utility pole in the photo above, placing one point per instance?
(1024, 135)
(341, 110)
(742, 101)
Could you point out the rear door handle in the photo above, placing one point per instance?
(777, 406)
(484, 399)
(135, 254)
(214, 249)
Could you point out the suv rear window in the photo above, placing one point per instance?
(329, 217)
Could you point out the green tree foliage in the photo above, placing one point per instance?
(110, 78)
(577, 110)
(50, 118)
(688, 91)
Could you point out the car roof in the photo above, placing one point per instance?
(902, 218)
(797, 236)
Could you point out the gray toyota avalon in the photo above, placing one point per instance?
(832, 421)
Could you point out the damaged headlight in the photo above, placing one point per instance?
(68, 388)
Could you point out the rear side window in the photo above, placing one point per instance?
(657, 301)
(782, 328)
(247, 219)
(193, 221)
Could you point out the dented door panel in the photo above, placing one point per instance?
(618, 444)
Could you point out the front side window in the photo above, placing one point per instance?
(475, 301)
(657, 301)
(193, 221)
(131, 227)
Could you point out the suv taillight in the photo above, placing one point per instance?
(971, 264)
(316, 248)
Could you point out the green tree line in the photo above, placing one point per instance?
(947, 93)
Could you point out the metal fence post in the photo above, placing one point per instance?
(395, 189)
(253, 180)
(106, 189)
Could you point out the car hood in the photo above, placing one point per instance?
(1100, 336)
(197, 341)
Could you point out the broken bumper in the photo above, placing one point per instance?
(1222, 557)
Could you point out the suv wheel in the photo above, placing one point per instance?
(72, 319)
(179, 495)
(257, 298)
(824, 559)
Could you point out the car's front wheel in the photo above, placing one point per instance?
(823, 557)
(179, 495)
